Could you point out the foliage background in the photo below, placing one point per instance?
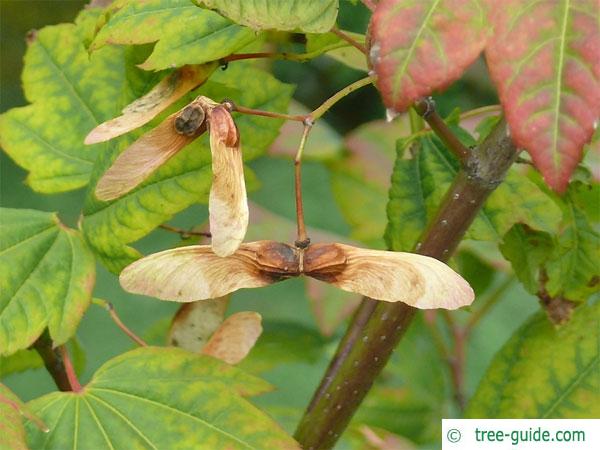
(282, 302)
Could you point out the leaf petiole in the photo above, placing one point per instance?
(113, 314)
(426, 108)
(314, 115)
(69, 369)
(303, 239)
(349, 39)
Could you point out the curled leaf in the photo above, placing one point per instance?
(144, 109)
(227, 204)
(234, 339)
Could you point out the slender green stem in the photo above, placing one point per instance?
(482, 111)
(327, 104)
(313, 116)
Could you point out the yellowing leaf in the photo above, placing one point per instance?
(160, 398)
(545, 372)
(312, 16)
(71, 93)
(47, 275)
(420, 182)
(144, 109)
(186, 34)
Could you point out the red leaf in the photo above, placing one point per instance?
(418, 46)
(544, 58)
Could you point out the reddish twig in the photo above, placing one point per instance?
(349, 39)
(456, 359)
(69, 369)
(52, 361)
(426, 108)
(184, 233)
(117, 320)
(258, 112)
(302, 238)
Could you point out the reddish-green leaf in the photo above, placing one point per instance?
(421, 46)
(545, 59)
(12, 432)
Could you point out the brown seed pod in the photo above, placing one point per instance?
(195, 273)
(228, 205)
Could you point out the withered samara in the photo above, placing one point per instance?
(195, 273)
(228, 205)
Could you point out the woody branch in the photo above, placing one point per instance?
(377, 327)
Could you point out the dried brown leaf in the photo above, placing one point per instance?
(235, 337)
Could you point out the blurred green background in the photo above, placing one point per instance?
(284, 302)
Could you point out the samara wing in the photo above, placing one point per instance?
(196, 322)
(144, 109)
(227, 204)
(417, 280)
(142, 158)
(187, 274)
(234, 339)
